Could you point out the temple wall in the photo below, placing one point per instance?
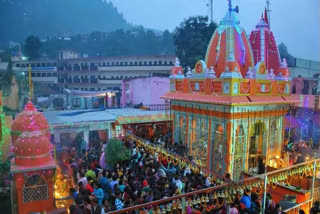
(220, 137)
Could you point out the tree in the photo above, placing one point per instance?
(191, 39)
(284, 53)
(116, 152)
(32, 47)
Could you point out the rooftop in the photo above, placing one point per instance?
(83, 116)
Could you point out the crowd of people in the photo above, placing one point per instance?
(142, 179)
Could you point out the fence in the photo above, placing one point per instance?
(157, 107)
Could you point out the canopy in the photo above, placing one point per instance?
(80, 93)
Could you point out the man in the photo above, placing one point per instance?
(118, 203)
(96, 208)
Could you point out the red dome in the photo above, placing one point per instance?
(31, 138)
(29, 120)
(229, 38)
(32, 148)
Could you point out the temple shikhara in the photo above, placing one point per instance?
(229, 110)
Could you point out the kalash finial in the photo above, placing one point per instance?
(30, 84)
(177, 62)
(236, 9)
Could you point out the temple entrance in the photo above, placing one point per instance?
(257, 139)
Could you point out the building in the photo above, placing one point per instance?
(144, 90)
(229, 112)
(113, 122)
(91, 74)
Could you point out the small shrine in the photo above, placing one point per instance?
(229, 110)
(33, 167)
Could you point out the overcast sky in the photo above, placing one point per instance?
(294, 22)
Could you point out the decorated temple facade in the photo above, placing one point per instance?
(229, 111)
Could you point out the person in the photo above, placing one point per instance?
(255, 203)
(118, 203)
(316, 208)
(91, 173)
(79, 208)
(96, 208)
(270, 204)
(98, 192)
(88, 186)
(314, 89)
(246, 199)
(301, 212)
(113, 182)
(83, 179)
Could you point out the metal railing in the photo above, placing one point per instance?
(306, 205)
(157, 107)
(226, 191)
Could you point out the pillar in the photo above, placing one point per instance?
(124, 94)
(86, 138)
(57, 138)
(110, 132)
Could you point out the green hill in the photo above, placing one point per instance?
(46, 18)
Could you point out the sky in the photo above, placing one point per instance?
(293, 22)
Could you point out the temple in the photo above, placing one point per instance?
(229, 110)
(33, 167)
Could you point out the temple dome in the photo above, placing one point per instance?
(28, 121)
(31, 138)
(228, 38)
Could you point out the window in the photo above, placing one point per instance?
(49, 74)
(125, 63)
(140, 63)
(130, 63)
(112, 63)
(117, 63)
(160, 62)
(155, 62)
(98, 89)
(118, 131)
(17, 65)
(35, 188)
(76, 101)
(121, 63)
(150, 62)
(37, 74)
(43, 74)
(135, 63)
(165, 62)
(145, 63)
(104, 64)
(33, 74)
